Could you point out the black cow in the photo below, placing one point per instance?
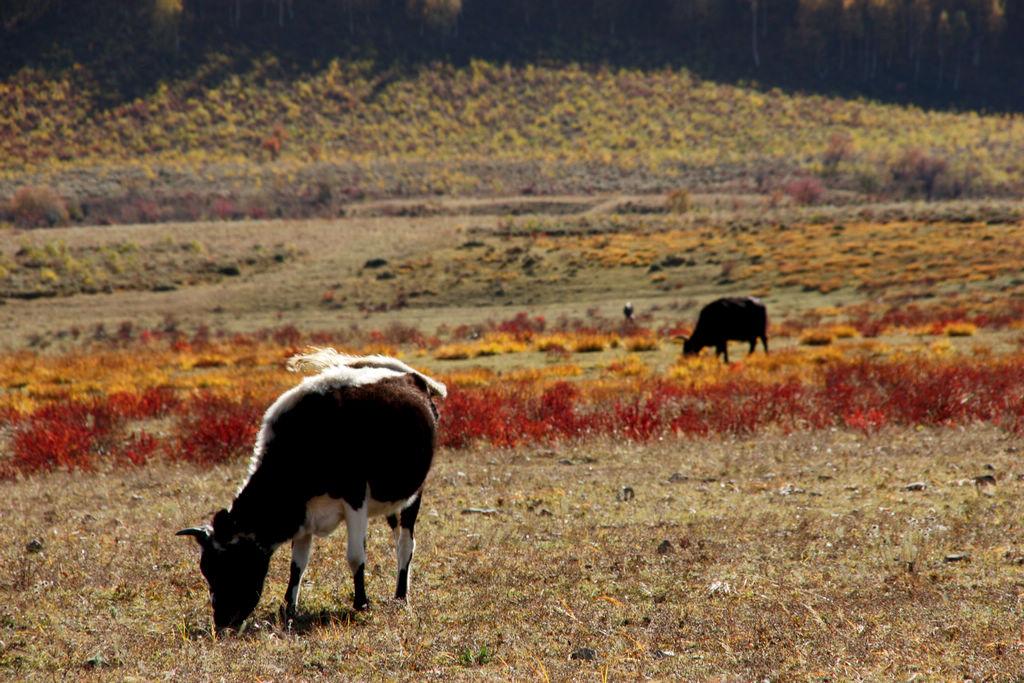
(737, 318)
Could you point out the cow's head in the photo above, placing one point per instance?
(234, 565)
(690, 346)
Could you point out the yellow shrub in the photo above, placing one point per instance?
(678, 201)
(452, 352)
(961, 329)
(476, 377)
(589, 343)
(497, 344)
(641, 342)
(697, 370)
(552, 342)
(817, 337)
(630, 366)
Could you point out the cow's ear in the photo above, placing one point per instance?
(223, 526)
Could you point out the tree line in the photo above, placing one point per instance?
(952, 51)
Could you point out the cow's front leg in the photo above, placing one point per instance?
(302, 547)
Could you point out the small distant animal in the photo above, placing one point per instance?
(627, 310)
(729, 318)
(352, 442)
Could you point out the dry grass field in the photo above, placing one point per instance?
(826, 556)
(842, 553)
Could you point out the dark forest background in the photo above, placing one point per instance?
(957, 54)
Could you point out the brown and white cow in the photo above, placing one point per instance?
(352, 442)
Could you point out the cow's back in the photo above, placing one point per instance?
(339, 442)
(740, 318)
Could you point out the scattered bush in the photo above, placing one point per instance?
(918, 172)
(806, 191)
(678, 201)
(869, 178)
(840, 148)
(38, 206)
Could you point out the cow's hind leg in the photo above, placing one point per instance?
(405, 544)
(302, 548)
(356, 523)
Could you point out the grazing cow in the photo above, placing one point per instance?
(352, 442)
(737, 318)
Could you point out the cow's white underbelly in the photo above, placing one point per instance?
(324, 514)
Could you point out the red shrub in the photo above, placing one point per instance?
(488, 414)
(867, 421)
(398, 334)
(522, 327)
(153, 402)
(639, 419)
(689, 421)
(864, 395)
(288, 335)
(806, 191)
(138, 448)
(213, 428)
(919, 171)
(556, 411)
(923, 393)
(64, 434)
(77, 434)
(225, 208)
